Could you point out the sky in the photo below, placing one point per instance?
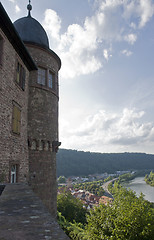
(106, 80)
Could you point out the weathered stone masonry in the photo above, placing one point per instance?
(43, 128)
(12, 146)
(32, 145)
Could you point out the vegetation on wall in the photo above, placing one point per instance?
(79, 163)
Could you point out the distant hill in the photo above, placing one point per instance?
(79, 163)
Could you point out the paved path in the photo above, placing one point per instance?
(24, 217)
(105, 187)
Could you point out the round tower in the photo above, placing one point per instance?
(42, 110)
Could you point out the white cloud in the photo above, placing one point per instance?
(130, 38)
(52, 23)
(146, 11)
(133, 25)
(126, 52)
(76, 46)
(107, 54)
(142, 10)
(125, 130)
(74, 66)
(80, 45)
(17, 9)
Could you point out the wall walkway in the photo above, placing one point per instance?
(24, 217)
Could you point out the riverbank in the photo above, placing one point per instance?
(149, 179)
(139, 185)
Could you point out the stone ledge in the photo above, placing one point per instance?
(23, 216)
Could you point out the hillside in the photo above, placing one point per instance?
(78, 163)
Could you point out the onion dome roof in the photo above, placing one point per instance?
(31, 31)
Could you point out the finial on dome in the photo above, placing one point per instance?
(29, 8)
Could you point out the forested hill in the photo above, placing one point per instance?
(79, 163)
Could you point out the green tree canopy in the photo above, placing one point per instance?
(71, 208)
(150, 179)
(94, 187)
(79, 163)
(61, 179)
(128, 218)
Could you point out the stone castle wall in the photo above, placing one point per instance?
(13, 147)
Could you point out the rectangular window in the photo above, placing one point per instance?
(20, 76)
(16, 119)
(13, 174)
(50, 79)
(41, 76)
(1, 49)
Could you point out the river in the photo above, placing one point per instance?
(139, 185)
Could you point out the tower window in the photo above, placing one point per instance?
(50, 79)
(16, 119)
(46, 78)
(20, 76)
(41, 76)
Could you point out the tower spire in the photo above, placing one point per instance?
(29, 8)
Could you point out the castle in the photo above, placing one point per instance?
(28, 106)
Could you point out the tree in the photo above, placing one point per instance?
(94, 187)
(149, 179)
(128, 218)
(74, 230)
(62, 179)
(71, 208)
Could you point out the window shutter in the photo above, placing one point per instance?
(23, 79)
(20, 76)
(18, 73)
(16, 120)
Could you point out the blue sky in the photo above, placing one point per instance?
(106, 80)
